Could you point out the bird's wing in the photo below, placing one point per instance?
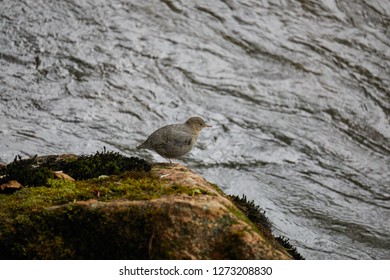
(179, 138)
(168, 135)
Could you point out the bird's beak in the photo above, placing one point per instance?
(207, 125)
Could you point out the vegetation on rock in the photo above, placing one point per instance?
(26, 172)
(104, 163)
(36, 171)
(169, 213)
(285, 242)
(257, 216)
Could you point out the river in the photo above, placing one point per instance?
(297, 92)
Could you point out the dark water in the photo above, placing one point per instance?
(298, 93)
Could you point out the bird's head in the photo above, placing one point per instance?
(197, 123)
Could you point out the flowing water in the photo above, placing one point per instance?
(298, 93)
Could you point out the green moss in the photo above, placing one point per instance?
(37, 171)
(252, 226)
(129, 185)
(218, 189)
(26, 172)
(104, 163)
(254, 213)
(285, 242)
(257, 216)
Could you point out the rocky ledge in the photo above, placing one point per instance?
(168, 212)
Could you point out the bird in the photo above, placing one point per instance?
(175, 140)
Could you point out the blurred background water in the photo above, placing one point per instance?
(297, 92)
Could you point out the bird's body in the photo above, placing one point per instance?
(175, 140)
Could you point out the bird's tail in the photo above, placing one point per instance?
(142, 146)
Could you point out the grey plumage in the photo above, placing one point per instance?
(175, 140)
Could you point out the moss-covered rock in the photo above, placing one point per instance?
(167, 213)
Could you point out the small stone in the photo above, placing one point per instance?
(63, 176)
(11, 186)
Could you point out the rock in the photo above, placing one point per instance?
(174, 214)
(10, 186)
(63, 176)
